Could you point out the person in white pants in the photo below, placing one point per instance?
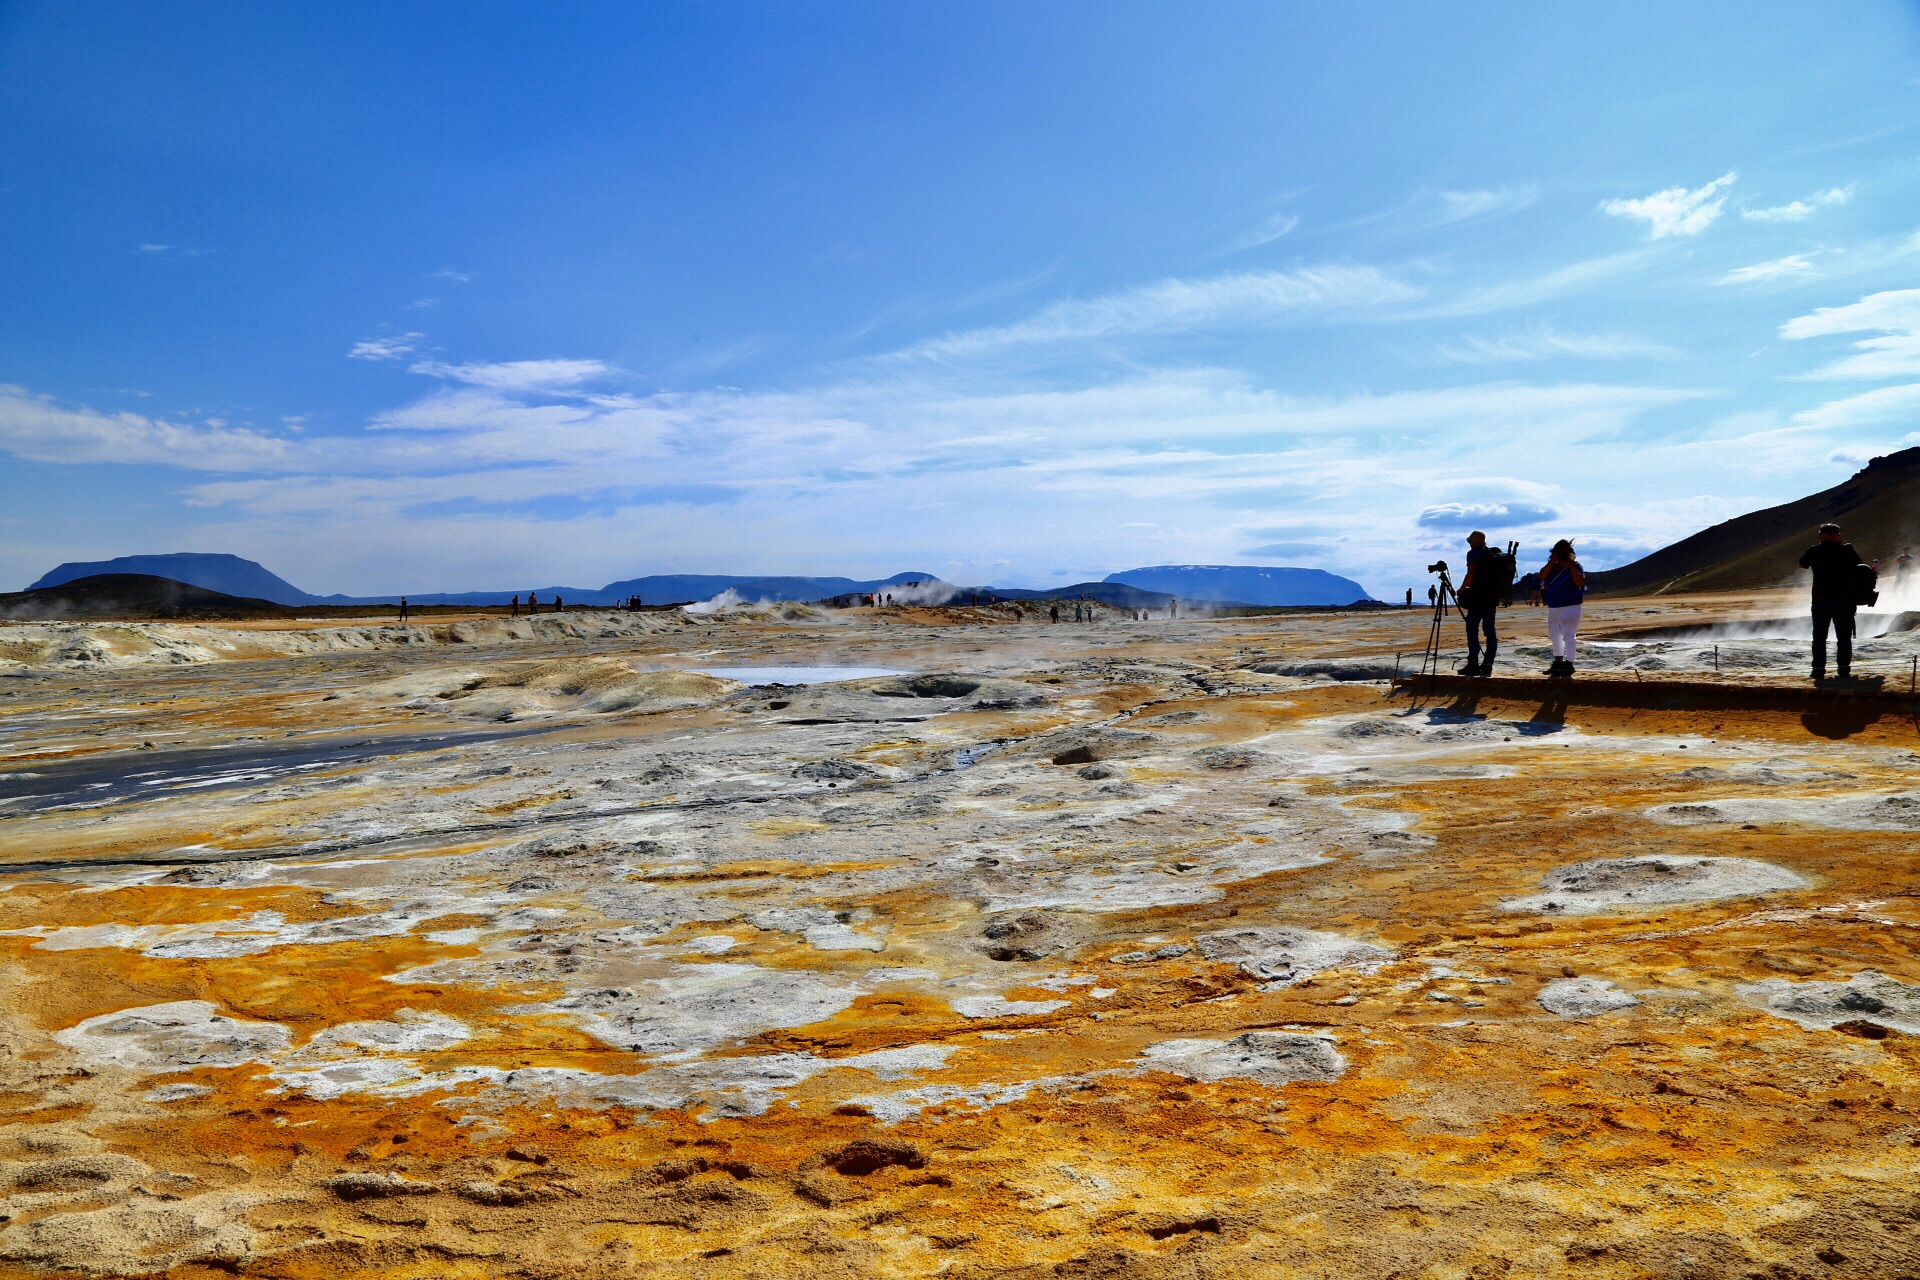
(1563, 584)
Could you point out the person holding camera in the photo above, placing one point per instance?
(1479, 599)
(1834, 563)
(1563, 585)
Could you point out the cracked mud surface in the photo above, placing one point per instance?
(1176, 949)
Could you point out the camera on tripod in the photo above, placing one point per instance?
(1438, 566)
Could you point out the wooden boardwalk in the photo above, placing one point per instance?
(1701, 695)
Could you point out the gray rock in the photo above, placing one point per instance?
(376, 1186)
(1273, 1058)
(1868, 997)
(1227, 759)
(1288, 955)
(1584, 997)
(1607, 884)
(832, 771)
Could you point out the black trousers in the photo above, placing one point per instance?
(1828, 613)
(1480, 619)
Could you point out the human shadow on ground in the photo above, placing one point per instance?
(1550, 717)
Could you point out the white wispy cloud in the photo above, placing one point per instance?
(397, 347)
(153, 248)
(1428, 210)
(1486, 515)
(1542, 342)
(1460, 206)
(36, 428)
(1242, 299)
(1870, 409)
(517, 375)
(1774, 269)
(1527, 291)
(1270, 229)
(449, 273)
(1800, 210)
(1675, 211)
(1894, 315)
(914, 464)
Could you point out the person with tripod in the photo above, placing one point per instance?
(1479, 597)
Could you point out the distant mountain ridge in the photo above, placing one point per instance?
(1151, 588)
(1877, 509)
(1246, 584)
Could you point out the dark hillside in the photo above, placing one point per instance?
(1878, 508)
(131, 595)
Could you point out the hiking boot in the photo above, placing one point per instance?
(1819, 676)
(1471, 669)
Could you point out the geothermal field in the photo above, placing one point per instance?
(775, 941)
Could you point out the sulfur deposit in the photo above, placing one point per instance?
(1171, 949)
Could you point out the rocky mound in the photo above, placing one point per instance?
(131, 595)
(568, 686)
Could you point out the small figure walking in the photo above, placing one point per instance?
(533, 604)
(556, 604)
(516, 606)
(403, 608)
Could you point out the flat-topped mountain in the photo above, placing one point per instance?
(1245, 583)
(225, 574)
(1878, 509)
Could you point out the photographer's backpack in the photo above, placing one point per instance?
(1866, 586)
(1497, 572)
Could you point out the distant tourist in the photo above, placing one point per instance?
(1433, 595)
(516, 606)
(403, 608)
(1833, 562)
(1563, 586)
(1903, 564)
(1409, 597)
(1053, 613)
(556, 604)
(533, 604)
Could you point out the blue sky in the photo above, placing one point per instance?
(418, 297)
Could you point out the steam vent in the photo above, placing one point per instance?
(522, 947)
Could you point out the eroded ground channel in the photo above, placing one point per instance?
(1173, 949)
